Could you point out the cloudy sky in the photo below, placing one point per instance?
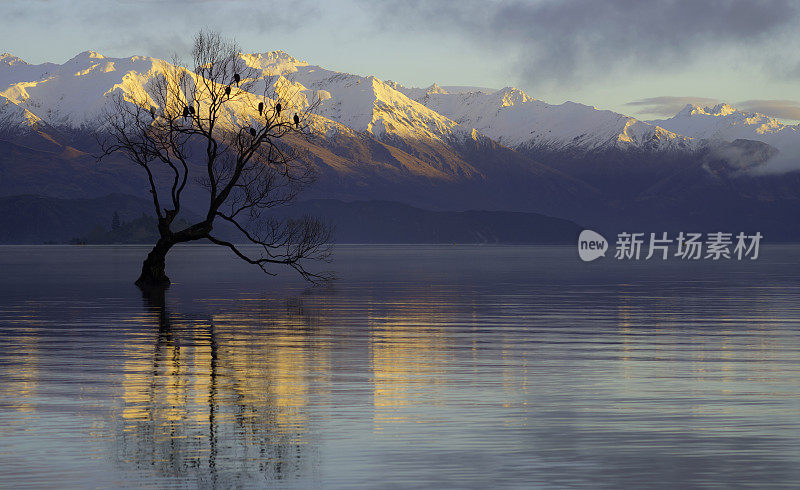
(645, 58)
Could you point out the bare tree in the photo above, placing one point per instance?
(208, 126)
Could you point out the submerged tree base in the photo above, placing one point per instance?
(153, 283)
(154, 276)
(155, 297)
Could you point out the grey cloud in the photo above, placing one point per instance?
(783, 109)
(161, 27)
(161, 24)
(571, 40)
(669, 105)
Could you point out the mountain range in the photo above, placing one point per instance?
(441, 148)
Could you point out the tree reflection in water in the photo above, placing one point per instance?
(213, 407)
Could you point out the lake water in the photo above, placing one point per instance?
(421, 367)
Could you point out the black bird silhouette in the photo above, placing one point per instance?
(252, 132)
(227, 90)
(185, 112)
(191, 109)
(236, 78)
(278, 108)
(260, 108)
(296, 120)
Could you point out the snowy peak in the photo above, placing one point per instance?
(435, 89)
(13, 117)
(75, 93)
(695, 110)
(86, 55)
(397, 113)
(278, 57)
(272, 63)
(15, 70)
(519, 121)
(9, 59)
(723, 112)
(370, 104)
(511, 96)
(362, 103)
(720, 110)
(724, 122)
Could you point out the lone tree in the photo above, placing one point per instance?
(209, 126)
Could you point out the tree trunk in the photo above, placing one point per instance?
(153, 276)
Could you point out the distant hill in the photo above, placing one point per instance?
(393, 222)
(37, 219)
(143, 230)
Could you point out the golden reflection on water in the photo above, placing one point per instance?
(408, 351)
(21, 389)
(271, 359)
(242, 395)
(201, 397)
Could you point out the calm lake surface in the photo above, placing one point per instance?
(421, 367)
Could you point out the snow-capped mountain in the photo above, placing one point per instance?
(15, 70)
(376, 138)
(13, 117)
(441, 147)
(362, 103)
(74, 94)
(724, 122)
(516, 120)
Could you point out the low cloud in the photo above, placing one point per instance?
(668, 106)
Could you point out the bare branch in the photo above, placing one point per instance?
(233, 129)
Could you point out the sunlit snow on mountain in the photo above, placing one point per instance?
(445, 147)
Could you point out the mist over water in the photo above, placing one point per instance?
(423, 366)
